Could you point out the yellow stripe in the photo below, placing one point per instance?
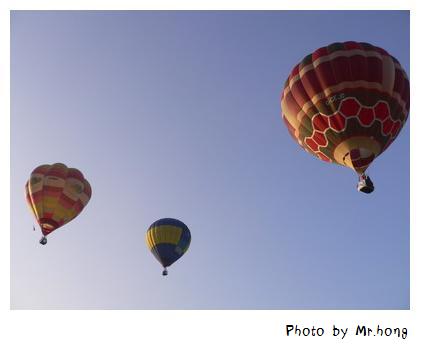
(49, 203)
(61, 212)
(163, 234)
(35, 185)
(150, 241)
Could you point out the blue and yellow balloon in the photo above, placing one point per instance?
(168, 239)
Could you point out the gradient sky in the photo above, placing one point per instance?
(177, 114)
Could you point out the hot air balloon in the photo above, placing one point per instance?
(345, 104)
(168, 239)
(56, 194)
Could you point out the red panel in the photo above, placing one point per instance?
(58, 171)
(78, 207)
(320, 122)
(341, 69)
(299, 94)
(41, 169)
(320, 52)
(323, 157)
(381, 51)
(66, 202)
(349, 107)
(381, 111)
(351, 45)
(374, 69)
(319, 138)
(358, 67)
(325, 75)
(366, 116)
(311, 83)
(295, 71)
(312, 144)
(337, 122)
(398, 81)
(75, 173)
(291, 103)
(52, 191)
(396, 128)
(387, 126)
(87, 188)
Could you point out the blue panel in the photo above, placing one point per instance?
(166, 253)
(169, 222)
(184, 241)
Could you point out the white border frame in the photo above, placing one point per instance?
(202, 333)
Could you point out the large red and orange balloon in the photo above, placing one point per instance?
(56, 194)
(346, 103)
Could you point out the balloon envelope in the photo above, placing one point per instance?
(56, 194)
(168, 239)
(346, 103)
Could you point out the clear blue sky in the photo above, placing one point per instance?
(177, 114)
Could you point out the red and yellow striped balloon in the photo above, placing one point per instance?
(346, 103)
(56, 194)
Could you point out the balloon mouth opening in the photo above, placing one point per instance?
(357, 152)
(48, 225)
